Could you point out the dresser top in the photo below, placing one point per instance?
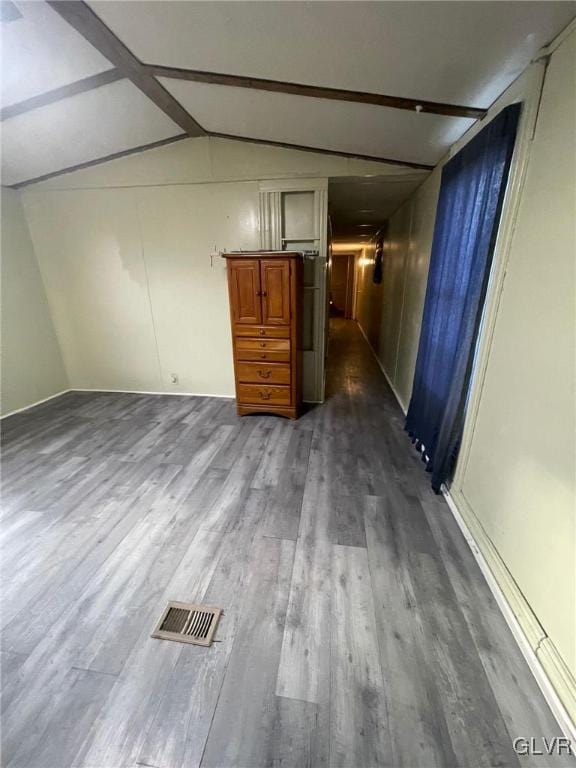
(266, 254)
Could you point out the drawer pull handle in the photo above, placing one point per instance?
(264, 374)
(265, 395)
(262, 332)
(262, 343)
(263, 357)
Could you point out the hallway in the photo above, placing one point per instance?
(357, 629)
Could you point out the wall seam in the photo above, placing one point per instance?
(148, 291)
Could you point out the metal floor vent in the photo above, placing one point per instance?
(188, 623)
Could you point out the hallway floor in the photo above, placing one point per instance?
(357, 629)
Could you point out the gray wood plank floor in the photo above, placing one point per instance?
(357, 628)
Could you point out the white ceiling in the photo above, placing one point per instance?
(337, 125)
(358, 206)
(456, 52)
(82, 128)
(40, 52)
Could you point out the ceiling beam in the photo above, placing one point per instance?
(92, 28)
(179, 137)
(126, 65)
(97, 161)
(64, 92)
(320, 151)
(315, 91)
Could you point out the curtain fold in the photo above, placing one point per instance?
(469, 206)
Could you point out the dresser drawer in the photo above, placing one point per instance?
(263, 345)
(263, 394)
(265, 331)
(261, 355)
(273, 373)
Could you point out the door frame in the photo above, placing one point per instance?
(271, 239)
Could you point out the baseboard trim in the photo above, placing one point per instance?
(390, 384)
(561, 679)
(33, 405)
(119, 391)
(127, 392)
(553, 677)
(174, 394)
(549, 669)
(149, 392)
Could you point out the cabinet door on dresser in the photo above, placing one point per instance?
(245, 291)
(275, 288)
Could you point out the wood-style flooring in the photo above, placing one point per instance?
(357, 629)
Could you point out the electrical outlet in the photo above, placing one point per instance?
(174, 378)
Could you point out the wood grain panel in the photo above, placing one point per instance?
(267, 331)
(267, 345)
(244, 282)
(270, 356)
(275, 281)
(358, 719)
(274, 373)
(263, 394)
(271, 290)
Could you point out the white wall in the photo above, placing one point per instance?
(124, 249)
(520, 473)
(32, 367)
(180, 228)
(390, 314)
(368, 295)
(515, 481)
(208, 159)
(419, 245)
(135, 294)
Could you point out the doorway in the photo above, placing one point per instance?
(341, 294)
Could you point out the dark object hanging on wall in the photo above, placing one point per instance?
(469, 208)
(377, 273)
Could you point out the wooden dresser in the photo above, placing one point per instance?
(265, 289)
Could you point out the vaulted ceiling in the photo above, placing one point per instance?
(396, 81)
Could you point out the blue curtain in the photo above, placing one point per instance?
(469, 206)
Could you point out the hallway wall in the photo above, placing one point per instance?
(390, 313)
(515, 487)
(368, 296)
